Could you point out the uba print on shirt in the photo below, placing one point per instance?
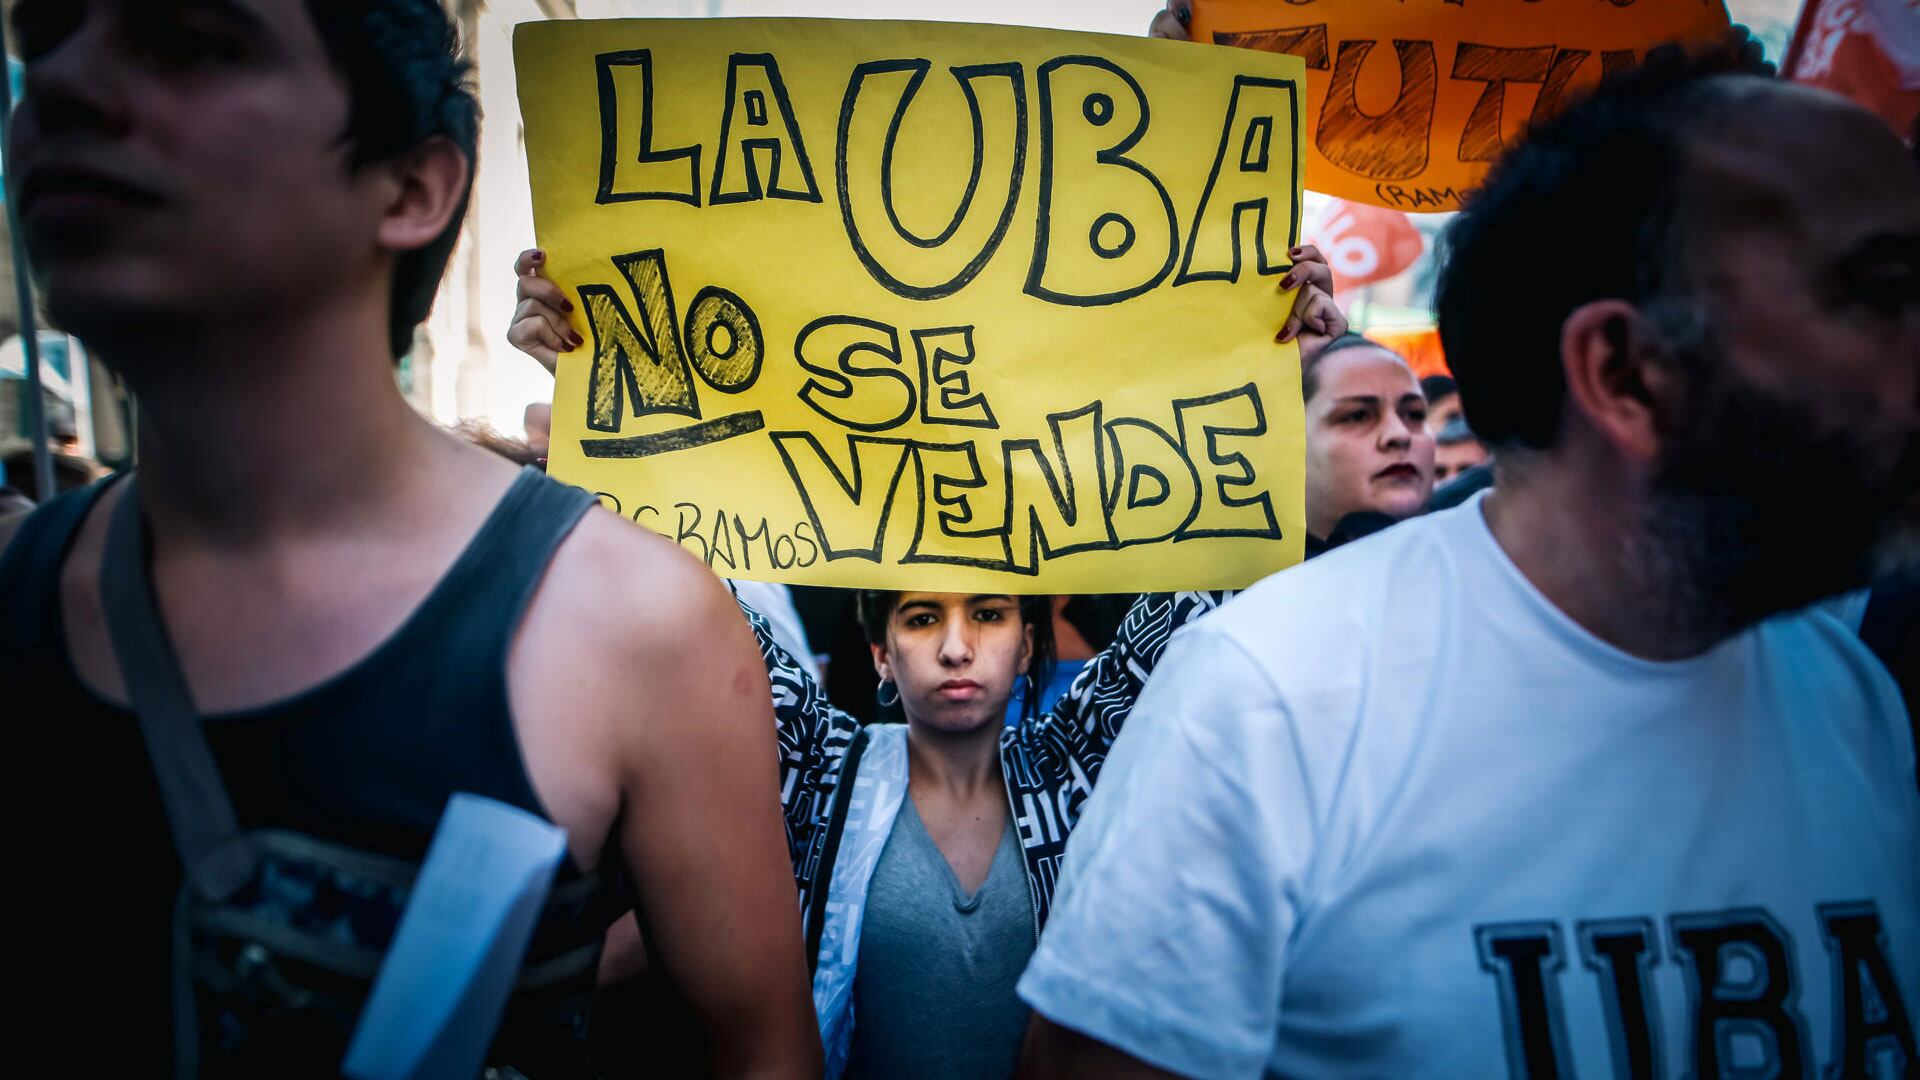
(1742, 995)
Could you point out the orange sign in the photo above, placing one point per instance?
(1409, 101)
(1419, 347)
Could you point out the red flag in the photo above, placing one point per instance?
(1362, 243)
(1867, 50)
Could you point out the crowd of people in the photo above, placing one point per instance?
(1595, 757)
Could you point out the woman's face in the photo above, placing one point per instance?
(955, 657)
(1368, 447)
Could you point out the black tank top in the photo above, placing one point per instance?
(367, 758)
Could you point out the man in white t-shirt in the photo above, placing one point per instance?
(1570, 780)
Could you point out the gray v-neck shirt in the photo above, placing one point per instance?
(934, 994)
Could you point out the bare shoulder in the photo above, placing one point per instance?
(632, 594)
(626, 624)
(627, 653)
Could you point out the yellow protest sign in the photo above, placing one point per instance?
(1412, 100)
(920, 305)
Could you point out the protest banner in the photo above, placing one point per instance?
(931, 306)
(1415, 127)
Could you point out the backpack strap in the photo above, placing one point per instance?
(215, 857)
(31, 563)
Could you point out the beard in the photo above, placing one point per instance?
(1760, 505)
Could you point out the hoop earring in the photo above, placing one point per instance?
(880, 694)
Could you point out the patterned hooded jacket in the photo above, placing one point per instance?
(841, 786)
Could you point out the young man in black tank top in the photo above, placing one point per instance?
(244, 207)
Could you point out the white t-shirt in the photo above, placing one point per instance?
(1393, 814)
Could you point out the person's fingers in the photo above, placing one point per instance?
(544, 292)
(1321, 314)
(534, 330)
(1316, 320)
(1312, 311)
(1311, 305)
(551, 319)
(539, 326)
(1318, 270)
(1337, 325)
(535, 338)
(1310, 272)
(1311, 346)
(1171, 21)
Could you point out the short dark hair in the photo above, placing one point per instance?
(1585, 207)
(1310, 365)
(1435, 387)
(875, 608)
(407, 83)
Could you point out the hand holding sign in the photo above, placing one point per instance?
(1315, 319)
(539, 326)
